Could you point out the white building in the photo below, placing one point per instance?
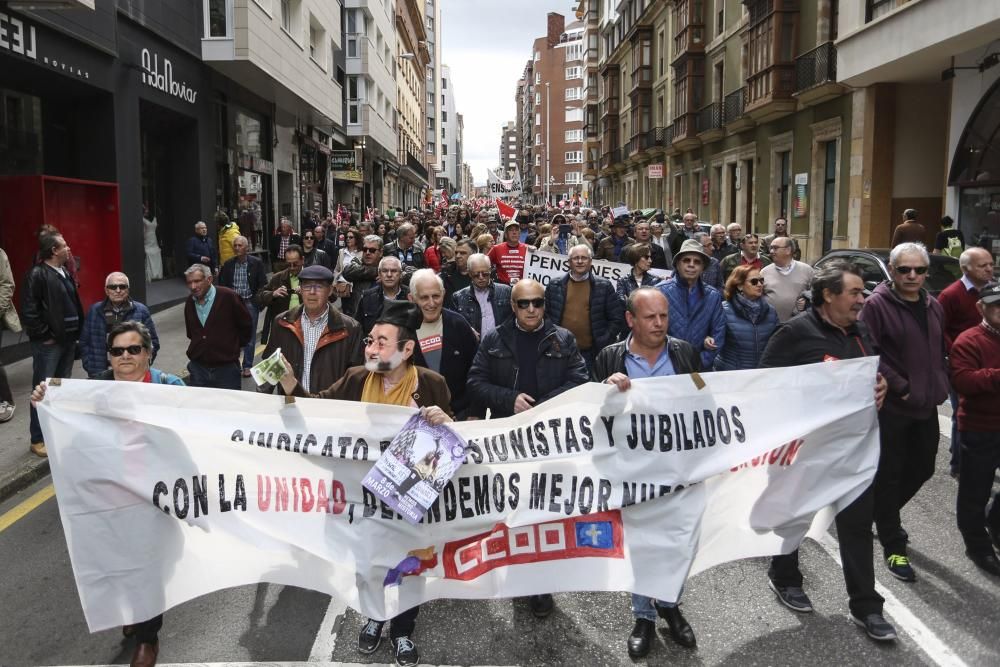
(448, 174)
(435, 101)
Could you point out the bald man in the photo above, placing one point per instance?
(117, 306)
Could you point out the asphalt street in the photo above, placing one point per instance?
(949, 617)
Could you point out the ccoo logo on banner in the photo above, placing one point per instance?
(503, 188)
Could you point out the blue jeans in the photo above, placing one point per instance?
(48, 361)
(644, 607)
(249, 349)
(218, 377)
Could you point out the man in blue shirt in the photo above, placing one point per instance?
(648, 352)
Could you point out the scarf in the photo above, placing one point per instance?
(753, 309)
(401, 394)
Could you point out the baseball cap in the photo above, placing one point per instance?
(990, 294)
(512, 222)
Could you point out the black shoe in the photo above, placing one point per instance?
(370, 636)
(987, 562)
(876, 627)
(405, 651)
(641, 638)
(541, 605)
(680, 629)
(792, 597)
(899, 567)
(994, 534)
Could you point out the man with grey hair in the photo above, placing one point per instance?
(585, 304)
(446, 343)
(117, 306)
(389, 286)
(406, 249)
(907, 327)
(786, 279)
(200, 248)
(218, 326)
(247, 276)
(485, 304)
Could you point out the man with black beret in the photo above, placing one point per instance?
(389, 377)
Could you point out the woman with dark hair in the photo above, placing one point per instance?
(750, 320)
(383, 231)
(353, 240)
(639, 255)
(463, 218)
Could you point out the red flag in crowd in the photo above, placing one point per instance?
(506, 211)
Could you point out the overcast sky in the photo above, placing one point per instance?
(486, 44)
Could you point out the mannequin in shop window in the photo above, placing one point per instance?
(154, 260)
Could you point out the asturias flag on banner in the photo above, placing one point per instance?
(506, 211)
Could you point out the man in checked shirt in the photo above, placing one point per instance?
(246, 275)
(319, 341)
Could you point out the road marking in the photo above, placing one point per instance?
(326, 638)
(944, 425)
(906, 620)
(279, 664)
(25, 507)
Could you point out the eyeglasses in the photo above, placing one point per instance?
(312, 287)
(372, 250)
(116, 287)
(524, 304)
(907, 270)
(772, 248)
(479, 274)
(381, 343)
(756, 281)
(131, 349)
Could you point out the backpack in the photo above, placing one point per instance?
(954, 247)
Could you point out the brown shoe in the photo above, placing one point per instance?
(145, 655)
(38, 449)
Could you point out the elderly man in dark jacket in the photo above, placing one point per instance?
(117, 307)
(585, 304)
(485, 304)
(907, 326)
(361, 274)
(282, 291)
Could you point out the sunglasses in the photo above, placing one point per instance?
(307, 238)
(372, 250)
(906, 270)
(119, 351)
(115, 288)
(480, 274)
(756, 281)
(524, 304)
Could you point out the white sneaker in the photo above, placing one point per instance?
(6, 412)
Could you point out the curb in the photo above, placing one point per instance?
(25, 476)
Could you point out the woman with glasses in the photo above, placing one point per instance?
(313, 255)
(639, 256)
(351, 251)
(750, 320)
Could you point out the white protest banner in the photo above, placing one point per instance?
(544, 266)
(503, 188)
(168, 493)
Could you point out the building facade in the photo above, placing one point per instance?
(524, 125)
(412, 60)
(432, 22)
(447, 175)
(507, 158)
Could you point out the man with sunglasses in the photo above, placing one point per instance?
(389, 377)
(786, 279)
(485, 304)
(523, 363)
(907, 326)
(319, 341)
(116, 307)
(361, 273)
(130, 345)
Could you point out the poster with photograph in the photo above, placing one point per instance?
(415, 467)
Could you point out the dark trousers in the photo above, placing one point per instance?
(147, 632)
(854, 530)
(908, 447)
(403, 624)
(252, 344)
(48, 361)
(5, 393)
(979, 462)
(219, 377)
(956, 436)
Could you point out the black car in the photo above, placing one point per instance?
(874, 265)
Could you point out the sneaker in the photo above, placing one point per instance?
(370, 636)
(405, 652)
(876, 627)
(38, 449)
(899, 567)
(6, 412)
(792, 597)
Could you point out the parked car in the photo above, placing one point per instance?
(874, 265)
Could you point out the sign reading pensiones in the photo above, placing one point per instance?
(544, 266)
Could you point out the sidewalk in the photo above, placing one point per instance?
(19, 468)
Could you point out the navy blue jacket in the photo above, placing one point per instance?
(493, 378)
(94, 336)
(466, 305)
(198, 247)
(695, 321)
(607, 311)
(745, 338)
(459, 344)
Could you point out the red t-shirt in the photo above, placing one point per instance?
(508, 261)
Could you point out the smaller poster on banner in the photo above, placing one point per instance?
(655, 171)
(619, 211)
(415, 467)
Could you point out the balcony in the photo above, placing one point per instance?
(656, 139)
(685, 132)
(770, 93)
(816, 76)
(734, 115)
(590, 168)
(416, 165)
(709, 123)
(611, 160)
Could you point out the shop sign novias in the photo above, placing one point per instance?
(158, 73)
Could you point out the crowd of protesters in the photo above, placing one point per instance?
(431, 308)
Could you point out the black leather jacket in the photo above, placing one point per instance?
(466, 304)
(43, 309)
(611, 359)
(493, 377)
